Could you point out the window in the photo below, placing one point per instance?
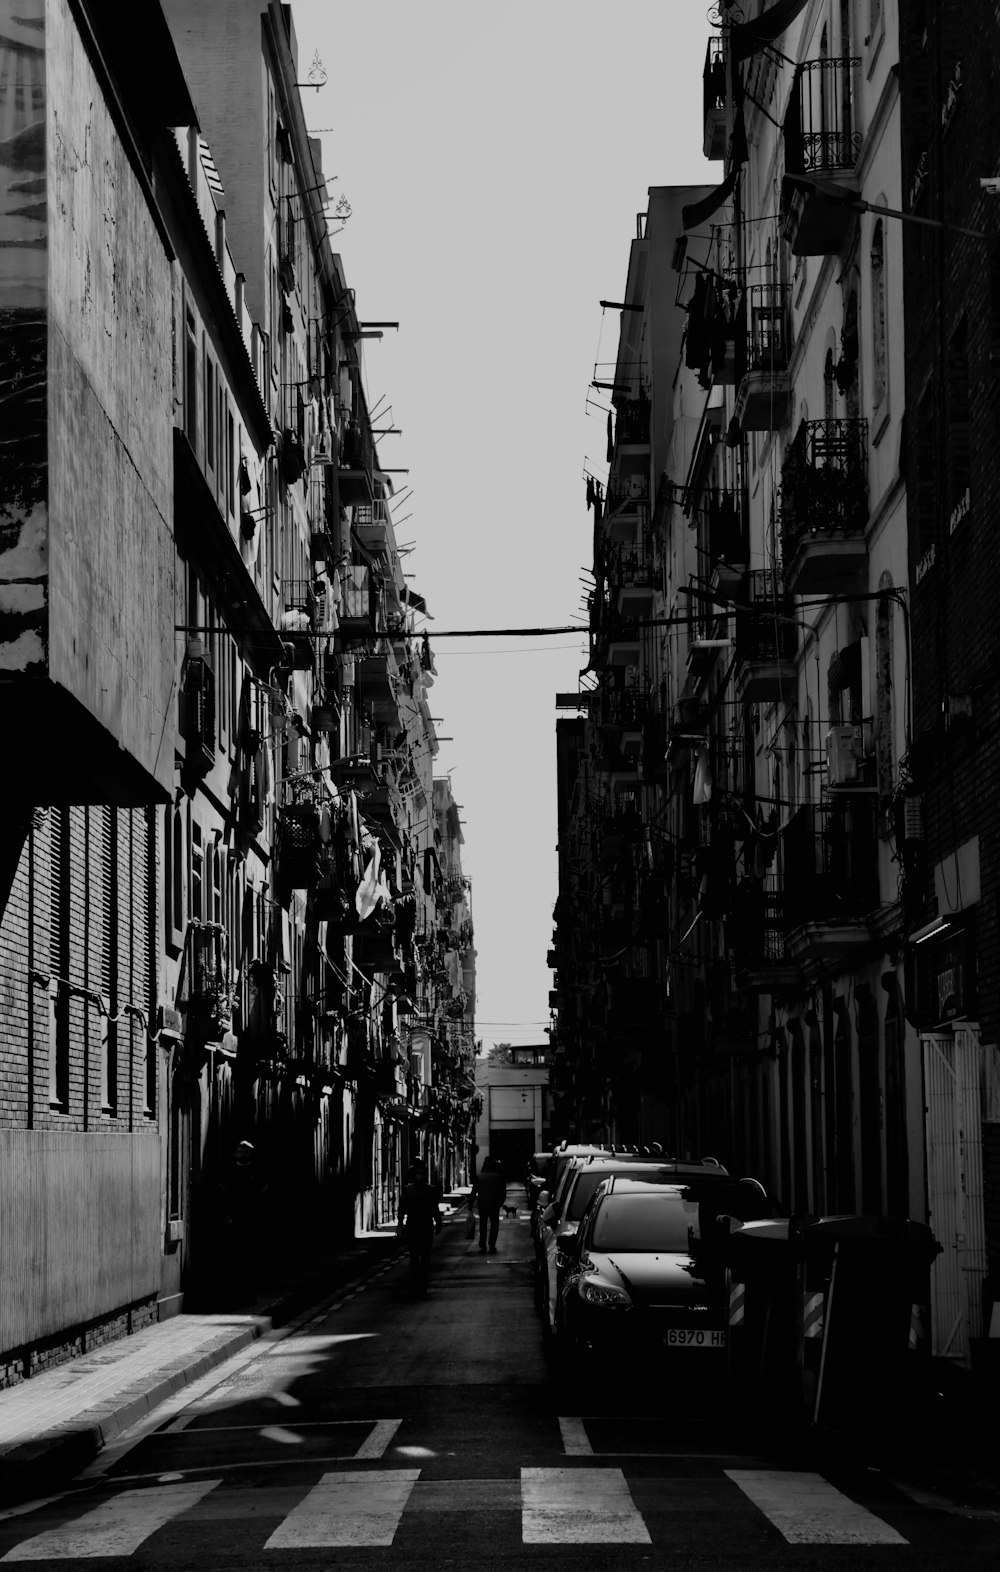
(230, 462)
(197, 872)
(879, 366)
(60, 908)
(191, 379)
(210, 450)
(110, 917)
(958, 418)
(926, 471)
(176, 1153)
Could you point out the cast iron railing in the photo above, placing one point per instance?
(762, 633)
(820, 136)
(830, 862)
(824, 481)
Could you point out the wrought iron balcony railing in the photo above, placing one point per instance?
(767, 327)
(824, 481)
(727, 512)
(830, 862)
(820, 134)
(763, 633)
(633, 567)
(632, 421)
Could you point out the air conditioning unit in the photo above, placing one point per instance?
(841, 756)
(848, 751)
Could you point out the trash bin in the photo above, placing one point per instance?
(867, 1283)
(764, 1272)
(828, 1319)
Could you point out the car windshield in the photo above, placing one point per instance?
(587, 1182)
(646, 1222)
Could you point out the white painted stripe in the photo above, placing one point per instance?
(579, 1506)
(117, 1527)
(374, 1445)
(348, 1509)
(808, 1510)
(574, 1435)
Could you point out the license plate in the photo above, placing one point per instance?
(690, 1338)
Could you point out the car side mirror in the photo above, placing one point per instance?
(543, 1199)
(551, 1213)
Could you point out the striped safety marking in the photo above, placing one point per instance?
(812, 1315)
(918, 1327)
(737, 1303)
(807, 1510)
(116, 1527)
(579, 1506)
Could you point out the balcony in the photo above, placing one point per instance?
(632, 425)
(378, 684)
(297, 624)
(824, 506)
(198, 711)
(755, 930)
(626, 514)
(372, 526)
(822, 148)
(357, 464)
(636, 577)
(829, 854)
(765, 387)
(765, 644)
(359, 602)
(728, 536)
(714, 86)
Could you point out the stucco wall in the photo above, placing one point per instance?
(111, 640)
(23, 517)
(79, 1228)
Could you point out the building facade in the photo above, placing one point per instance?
(232, 890)
(767, 966)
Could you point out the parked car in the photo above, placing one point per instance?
(559, 1222)
(561, 1159)
(539, 1164)
(648, 1278)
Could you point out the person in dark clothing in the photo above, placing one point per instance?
(419, 1221)
(489, 1193)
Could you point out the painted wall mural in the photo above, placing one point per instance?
(23, 337)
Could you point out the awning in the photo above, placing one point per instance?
(747, 37)
(696, 212)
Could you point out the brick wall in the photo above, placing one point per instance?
(952, 287)
(79, 926)
(23, 1363)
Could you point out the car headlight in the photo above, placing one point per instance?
(604, 1295)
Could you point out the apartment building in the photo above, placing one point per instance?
(794, 986)
(225, 851)
(950, 306)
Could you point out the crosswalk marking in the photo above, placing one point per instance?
(575, 1504)
(808, 1510)
(575, 1440)
(375, 1444)
(115, 1528)
(579, 1506)
(348, 1509)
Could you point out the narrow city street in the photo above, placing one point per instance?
(405, 1431)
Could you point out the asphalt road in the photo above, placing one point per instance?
(429, 1432)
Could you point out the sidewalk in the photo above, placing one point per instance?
(56, 1423)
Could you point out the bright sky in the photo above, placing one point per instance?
(495, 158)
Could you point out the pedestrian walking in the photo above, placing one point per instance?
(489, 1191)
(419, 1220)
